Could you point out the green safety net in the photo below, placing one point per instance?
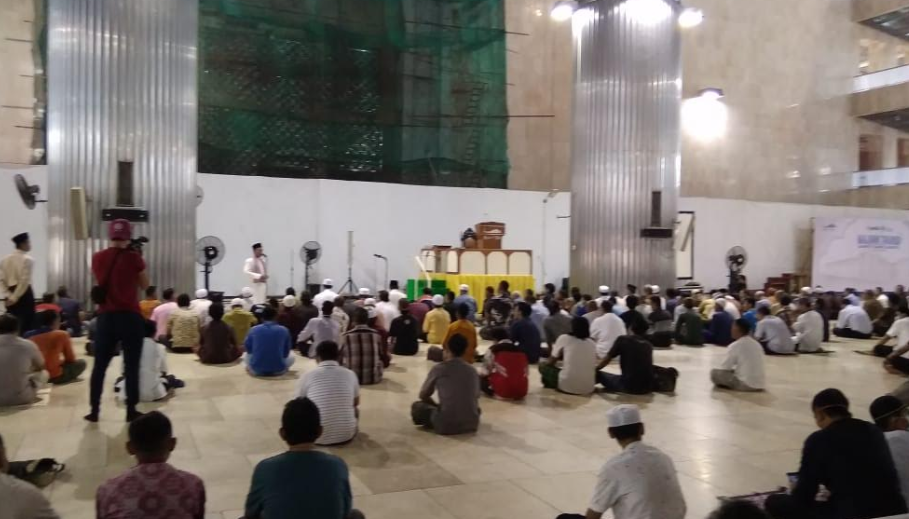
(407, 91)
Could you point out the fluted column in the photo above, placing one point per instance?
(122, 86)
(625, 141)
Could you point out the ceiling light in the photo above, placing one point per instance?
(646, 12)
(562, 10)
(705, 117)
(691, 17)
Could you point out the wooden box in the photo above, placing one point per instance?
(490, 234)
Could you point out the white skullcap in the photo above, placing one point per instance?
(201, 293)
(327, 282)
(622, 415)
(289, 301)
(371, 312)
(369, 302)
(464, 288)
(438, 300)
(236, 302)
(364, 291)
(604, 289)
(655, 288)
(246, 292)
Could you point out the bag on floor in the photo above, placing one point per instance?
(664, 379)
(40, 473)
(435, 354)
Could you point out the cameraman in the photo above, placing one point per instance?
(120, 271)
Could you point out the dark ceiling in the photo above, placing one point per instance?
(898, 119)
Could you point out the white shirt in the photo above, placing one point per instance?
(152, 365)
(775, 333)
(899, 449)
(395, 296)
(809, 331)
(854, 318)
(320, 329)
(255, 268)
(745, 357)
(639, 483)
(732, 310)
(15, 271)
(333, 389)
(387, 312)
(23, 500)
(341, 317)
(201, 306)
(605, 330)
(325, 295)
(884, 300)
(579, 364)
(900, 331)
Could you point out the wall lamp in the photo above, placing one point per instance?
(563, 10)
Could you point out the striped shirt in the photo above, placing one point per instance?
(333, 389)
(363, 353)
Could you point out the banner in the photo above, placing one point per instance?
(860, 253)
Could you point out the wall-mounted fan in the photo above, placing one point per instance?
(210, 251)
(310, 253)
(736, 259)
(27, 192)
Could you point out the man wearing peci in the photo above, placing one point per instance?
(16, 282)
(256, 268)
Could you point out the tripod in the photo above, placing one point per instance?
(350, 282)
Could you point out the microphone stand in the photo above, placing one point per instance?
(383, 258)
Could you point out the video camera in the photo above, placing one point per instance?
(137, 244)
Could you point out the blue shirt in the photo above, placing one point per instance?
(525, 334)
(267, 345)
(471, 304)
(293, 485)
(751, 317)
(721, 328)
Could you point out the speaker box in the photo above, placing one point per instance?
(78, 212)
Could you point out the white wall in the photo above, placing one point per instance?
(15, 218)
(389, 219)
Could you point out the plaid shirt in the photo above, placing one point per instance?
(363, 353)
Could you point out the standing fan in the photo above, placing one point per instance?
(310, 253)
(210, 251)
(736, 259)
(27, 192)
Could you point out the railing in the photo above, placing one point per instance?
(880, 79)
(880, 177)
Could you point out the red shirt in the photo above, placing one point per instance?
(123, 285)
(509, 380)
(48, 306)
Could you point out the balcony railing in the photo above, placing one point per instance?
(880, 177)
(881, 79)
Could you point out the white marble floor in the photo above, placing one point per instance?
(532, 459)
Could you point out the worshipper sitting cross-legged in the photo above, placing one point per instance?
(504, 372)
(719, 329)
(851, 459)
(154, 381)
(153, 488)
(638, 483)
(149, 303)
(773, 334)
(56, 348)
(808, 327)
(437, 321)
(161, 315)
(362, 350)
(21, 499)
(240, 320)
(335, 391)
(183, 325)
(319, 330)
(302, 482)
(633, 316)
(689, 327)
(404, 334)
(200, 305)
(607, 328)
(556, 324)
(578, 356)
(340, 314)
(290, 317)
(853, 321)
(218, 343)
(268, 347)
(636, 357)
(743, 367)
(22, 370)
(889, 413)
(661, 324)
(898, 331)
(458, 386)
(524, 333)
(464, 327)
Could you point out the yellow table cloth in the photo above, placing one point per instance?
(479, 282)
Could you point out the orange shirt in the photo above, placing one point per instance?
(147, 306)
(56, 348)
(467, 329)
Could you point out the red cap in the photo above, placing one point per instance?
(120, 230)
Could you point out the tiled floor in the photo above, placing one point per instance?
(531, 459)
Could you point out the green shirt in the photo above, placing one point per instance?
(295, 485)
(689, 329)
(240, 321)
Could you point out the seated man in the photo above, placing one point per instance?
(149, 303)
(808, 327)
(21, 500)
(72, 315)
(56, 348)
(719, 330)
(464, 327)
(154, 381)
(200, 305)
(578, 356)
(302, 482)
(161, 316)
(743, 368)
(850, 457)
(458, 385)
(636, 357)
(504, 368)
(404, 334)
(48, 302)
(773, 334)
(556, 324)
(660, 324)
(633, 316)
(606, 329)
(153, 488)
(319, 330)
(218, 343)
(889, 414)
(641, 481)
(335, 391)
(524, 333)
(268, 347)
(239, 319)
(898, 331)
(749, 311)
(183, 326)
(290, 317)
(689, 327)
(437, 321)
(853, 322)
(21, 365)
(362, 350)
